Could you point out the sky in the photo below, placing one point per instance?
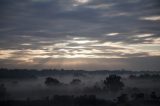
(80, 34)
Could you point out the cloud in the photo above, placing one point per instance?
(40, 0)
(151, 18)
(4, 54)
(82, 1)
(100, 6)
(144, 35)
(26, 44)
(33, 30)
(112, 34)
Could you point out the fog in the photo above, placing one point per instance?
(90, 84)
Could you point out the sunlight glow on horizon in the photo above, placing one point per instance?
(82, 47)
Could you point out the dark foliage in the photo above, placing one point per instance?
(3, 92)
(146, 76)
(76, 81)
(113, 83)
(83, 100)
(123, 98)
(32, 73)
(51, 81)
(61, 100)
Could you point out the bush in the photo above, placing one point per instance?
(75, 81)
(51, 81)
(113, 83)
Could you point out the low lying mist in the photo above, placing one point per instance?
(39, 88)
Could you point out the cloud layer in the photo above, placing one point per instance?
(73, 33)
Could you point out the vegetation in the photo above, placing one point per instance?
(76, 81)
(3, 92)
(32, 73)
(146, 76)
(113, 83)
(86, 94)
(51, 81)
(83, 100)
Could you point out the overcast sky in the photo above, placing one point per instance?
(80, 34)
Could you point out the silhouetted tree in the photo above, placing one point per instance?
(75, 81)
(153, 96)
(51, 81)
(123, 98)
(113, 83)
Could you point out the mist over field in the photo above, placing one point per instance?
(36, 89)
(90, 83)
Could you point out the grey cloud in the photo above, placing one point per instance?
(53, 20)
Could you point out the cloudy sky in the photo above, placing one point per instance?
(80, 34)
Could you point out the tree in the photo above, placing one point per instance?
(113, 83)
(51, 81)
(123, 98)
(75, 81)
(153, 96)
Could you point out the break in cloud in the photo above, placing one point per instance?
(80, 34)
